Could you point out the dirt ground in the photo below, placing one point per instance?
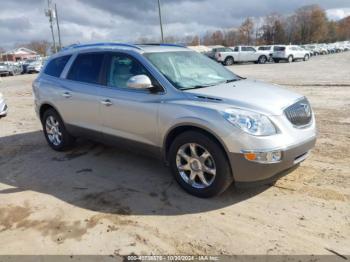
(97, 199)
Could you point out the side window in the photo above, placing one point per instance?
(228, 49)
(244, 48)
(236, 49)
(250, 49)
(121, 68)
(86, 68)
(56, 66)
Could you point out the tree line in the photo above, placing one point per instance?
(308, 24)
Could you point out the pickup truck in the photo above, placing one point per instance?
(229, 56)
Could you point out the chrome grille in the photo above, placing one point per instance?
(299, 114)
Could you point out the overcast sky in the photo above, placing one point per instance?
(127, 20)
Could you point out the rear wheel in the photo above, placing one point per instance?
(290, 59)
(229, 61)
(55, 132)
(199, 164)
(262, 59)
(306, 57)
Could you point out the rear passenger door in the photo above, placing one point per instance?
(129, 113)
(81, 91)
(250, 54)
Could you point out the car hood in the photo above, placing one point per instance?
(248, 94)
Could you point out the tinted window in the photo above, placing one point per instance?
(279, 48)
(236, 49)
(56, 66)
(122, 67)
(248, 49)
(265, 48)
(86, 68)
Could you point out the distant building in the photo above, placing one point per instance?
(18, 54)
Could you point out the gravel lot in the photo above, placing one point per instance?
(97, 199)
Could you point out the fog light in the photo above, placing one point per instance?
(263, 157)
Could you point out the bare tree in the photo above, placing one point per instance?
(40, 46)
(246, 30)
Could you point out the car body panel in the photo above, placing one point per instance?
(148, 118)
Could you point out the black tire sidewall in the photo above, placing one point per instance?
(224, 175)
(67, 139)
(262, 61)
(229, 61)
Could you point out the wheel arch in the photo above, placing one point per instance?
(181, 128)
(44, 107)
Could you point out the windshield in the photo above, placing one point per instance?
(187, 69)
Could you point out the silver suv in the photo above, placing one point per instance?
(210, 126)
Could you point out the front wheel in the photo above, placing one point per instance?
(290, 59)
(199, 164)
(306, 57)
(55, 132)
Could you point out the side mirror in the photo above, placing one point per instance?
(139, 82)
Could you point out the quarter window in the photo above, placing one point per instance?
(86, 68)
(56, 66)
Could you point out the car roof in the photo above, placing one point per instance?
(140, 48)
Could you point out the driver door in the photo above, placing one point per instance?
(128, 113)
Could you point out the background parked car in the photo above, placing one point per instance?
(238, 54)
(290, 53)
(267, 50)
(34, 67)
(9, 68)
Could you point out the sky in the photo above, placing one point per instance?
(128, 20)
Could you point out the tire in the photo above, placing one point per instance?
(229, 61)
(306, 57)
(290, 59)
(262, 59)
(220, 176)
(64, 141)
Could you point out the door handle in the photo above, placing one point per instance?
(66, 94)
(106, 102)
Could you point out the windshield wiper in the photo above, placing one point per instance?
(196, 87)
(233, 80)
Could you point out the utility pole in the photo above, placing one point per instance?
(58, 29)
(160, 21)
(49, 14)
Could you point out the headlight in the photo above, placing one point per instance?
(250, 122)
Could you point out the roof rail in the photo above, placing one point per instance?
(100, 44)
(164, 44)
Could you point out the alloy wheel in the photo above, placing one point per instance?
(53, 131)
(195, 165)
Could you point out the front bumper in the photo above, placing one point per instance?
(245, 171)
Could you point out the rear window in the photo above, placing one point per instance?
(86, 68)
(56, 66)
(279, 48)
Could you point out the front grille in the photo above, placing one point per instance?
(299, 114)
